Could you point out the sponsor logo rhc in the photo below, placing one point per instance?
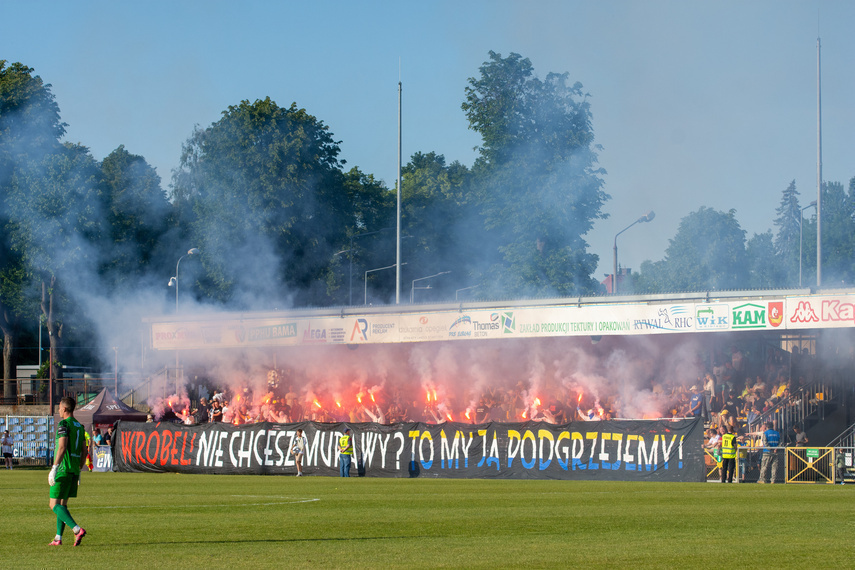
(674, 318)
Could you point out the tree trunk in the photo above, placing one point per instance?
(7, 325)
(54, 332)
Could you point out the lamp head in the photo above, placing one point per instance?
(194, 251)
(650, 215)
(172, 281)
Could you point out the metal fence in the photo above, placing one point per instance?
(32, 438)
(24, 392)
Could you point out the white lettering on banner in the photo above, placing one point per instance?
(534, 448)
(258, 437)
(449, 452)
(398, 435)
(383, 447)
(245, 453)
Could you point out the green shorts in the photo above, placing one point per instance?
(65, 486)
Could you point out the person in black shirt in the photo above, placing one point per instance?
(216, 411)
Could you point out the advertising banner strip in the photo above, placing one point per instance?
(615, 450)
(798, 312)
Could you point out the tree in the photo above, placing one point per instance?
(435, 220)
(764, 268)
(787, 239)
(708, 253)
(30, 128)
(55, 224)
(369, 225)
(535, 180)
(268, 204)
(838, 234)
(137, 216)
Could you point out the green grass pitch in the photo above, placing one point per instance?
(228, 521)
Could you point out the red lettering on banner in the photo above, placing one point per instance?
(149, 459)
(127, 438)
(167, 444)
(172, 459)
(139, 441)
(182, 461)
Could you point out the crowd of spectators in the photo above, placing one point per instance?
(734, 390)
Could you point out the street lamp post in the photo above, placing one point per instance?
(173, 281)
(457, 292)
(350, 251)
(365, 300)
(801, 223)
(413, 286)
(650, 215)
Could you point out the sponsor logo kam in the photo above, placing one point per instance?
(749, 316)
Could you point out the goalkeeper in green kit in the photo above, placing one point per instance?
(65, 473)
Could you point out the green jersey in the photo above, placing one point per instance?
(73, 430)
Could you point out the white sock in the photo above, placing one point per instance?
(57, 537)
(76, 529)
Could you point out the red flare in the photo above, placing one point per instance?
(372, 398)
(338, 404)
(434, 395)
(318, 404)
(449, 417)
(579, 401)
(428, 396)
(359, 398)
(468, 417)
(523, 415)
(537, 401)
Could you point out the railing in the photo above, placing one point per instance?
(845, 439)
(160, 384)
(809, 400)
(34, 391)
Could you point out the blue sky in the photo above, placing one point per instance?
(694, 103)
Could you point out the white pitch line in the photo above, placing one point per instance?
(220, 505)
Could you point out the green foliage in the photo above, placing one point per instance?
(30, 125)
(54, 210)
(708, 253)
(535, 182)
(764, 267)
(436, 219)
(136, 217)
(264, 182)
(787, 238)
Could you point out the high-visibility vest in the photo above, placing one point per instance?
(344, 443)
(728, 446)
